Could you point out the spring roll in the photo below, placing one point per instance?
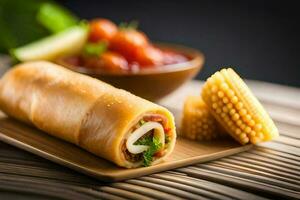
(108, 122)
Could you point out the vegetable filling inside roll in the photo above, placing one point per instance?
(148, 139)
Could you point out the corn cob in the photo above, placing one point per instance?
(236, 108)
(197, 122)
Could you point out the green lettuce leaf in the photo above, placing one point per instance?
(154, 146)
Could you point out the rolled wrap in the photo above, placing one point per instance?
(77, 108)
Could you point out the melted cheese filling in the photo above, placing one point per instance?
(138, 133)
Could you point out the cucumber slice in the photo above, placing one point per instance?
(68, 42)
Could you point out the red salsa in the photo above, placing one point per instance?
(113, 48)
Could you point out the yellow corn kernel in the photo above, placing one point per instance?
(197, 122)
(246, 119)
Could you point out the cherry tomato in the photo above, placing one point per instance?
(108, 61)
(113, 61)
(127, 42)
(102, 29)
(149, 56)
(91, 62)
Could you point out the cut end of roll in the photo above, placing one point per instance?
(145, 128)
(148, 141)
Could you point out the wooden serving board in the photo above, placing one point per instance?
(186, 152)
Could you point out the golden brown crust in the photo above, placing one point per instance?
(76, 108)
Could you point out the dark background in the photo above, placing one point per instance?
(260, 39)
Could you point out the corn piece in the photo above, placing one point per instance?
(197, 122)
(237, 109)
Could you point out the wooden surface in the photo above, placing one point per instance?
(186, 152)
(267, 171)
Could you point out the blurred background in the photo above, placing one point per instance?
(260, 39)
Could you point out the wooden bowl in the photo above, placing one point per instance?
(150, 83)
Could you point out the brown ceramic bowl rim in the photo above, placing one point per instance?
(196, 60)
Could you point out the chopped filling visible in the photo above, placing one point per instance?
(154, 146)
(149, 144)
(130, 156)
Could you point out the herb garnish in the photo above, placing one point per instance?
(94, 49)
(154, 146)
